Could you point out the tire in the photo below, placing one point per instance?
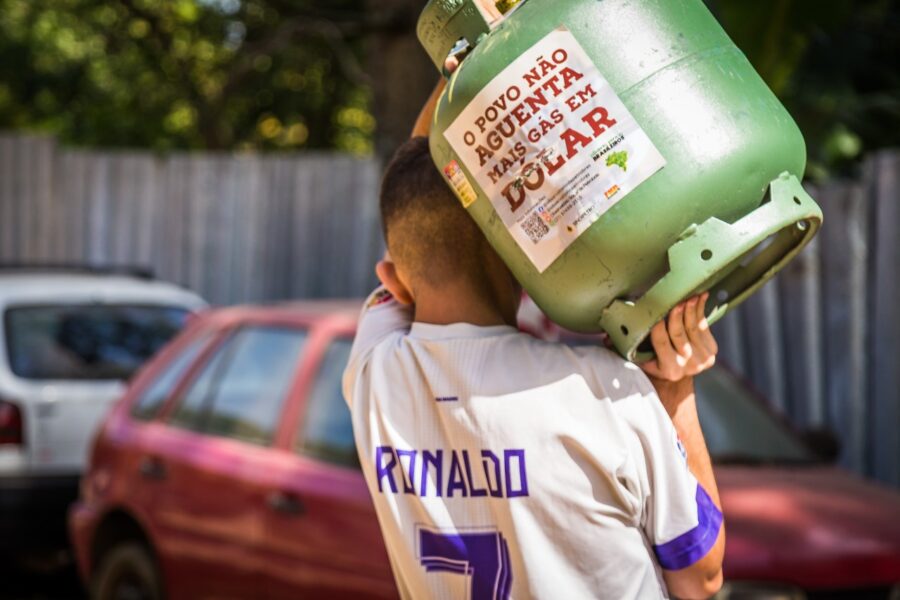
(126, 572)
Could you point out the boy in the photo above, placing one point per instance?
(502, 466)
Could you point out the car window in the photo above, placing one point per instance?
(149, 402)
(189, 408)
(327, 430)
(252, 390)
(92, 342)
(240, 392)
(738, 428)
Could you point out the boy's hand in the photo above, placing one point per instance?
(685, 345)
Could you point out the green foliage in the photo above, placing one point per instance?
(834, 65)
(216, 74)
(284, 74)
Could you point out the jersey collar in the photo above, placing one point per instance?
(428, 331)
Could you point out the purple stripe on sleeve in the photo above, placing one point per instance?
(691, 546)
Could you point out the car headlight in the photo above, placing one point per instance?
(749, 590)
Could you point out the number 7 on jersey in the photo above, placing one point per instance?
(482, 556)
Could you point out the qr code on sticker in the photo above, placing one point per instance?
(535, 227)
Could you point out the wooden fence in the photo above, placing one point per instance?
(822, 341)
(235, 228)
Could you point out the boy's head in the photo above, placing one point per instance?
(428, 233)
(434, 245)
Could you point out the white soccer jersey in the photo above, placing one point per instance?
(502, 466)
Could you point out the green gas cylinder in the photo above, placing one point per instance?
(620, 156)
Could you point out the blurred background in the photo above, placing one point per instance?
(234, 148)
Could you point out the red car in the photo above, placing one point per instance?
(228, 470)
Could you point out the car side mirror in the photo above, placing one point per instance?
(824, 443)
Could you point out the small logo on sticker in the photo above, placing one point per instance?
(611, 191)
(546, 216)
(620, 159)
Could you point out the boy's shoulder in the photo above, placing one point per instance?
(595, 353)
(603, 369)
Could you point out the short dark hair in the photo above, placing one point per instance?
(426, 228)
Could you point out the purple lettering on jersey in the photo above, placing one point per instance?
(495, 489)
(523, 480)
(386, 470)
(456, 481)
(408, 487)
(474, 491)
(461, 481)
(436, 460)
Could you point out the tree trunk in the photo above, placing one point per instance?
(402, 74)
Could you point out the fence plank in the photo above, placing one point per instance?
(728, 334)
(120, 233)
(27, 217)
(799, 297)
(147, 215)
(885, 318)
(8, 201)
(341, 216)
(21, 200)
(278, 228)
(761, 324)
(171, 238)
(300, 264)
(241, 222)
(844, 256)
(212, 221)
(367, 231)
(56, 213)
(307, 235)
(42, 156)
(98, 247)
(72, 190)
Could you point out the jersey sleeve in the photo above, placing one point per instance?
(381, 317)
(678, 517)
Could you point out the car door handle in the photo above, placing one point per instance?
(151, 467)
(286, 504)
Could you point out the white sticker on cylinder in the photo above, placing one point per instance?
(552, 146)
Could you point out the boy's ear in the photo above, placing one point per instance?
(387, 274)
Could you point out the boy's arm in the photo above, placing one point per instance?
(685, 347)
(426, 115)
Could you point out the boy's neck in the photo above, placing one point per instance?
(457, 304)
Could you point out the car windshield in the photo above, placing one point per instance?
(90, 342)
(738, 428)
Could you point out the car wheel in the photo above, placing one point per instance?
(126, 572)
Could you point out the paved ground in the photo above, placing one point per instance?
(46, 577)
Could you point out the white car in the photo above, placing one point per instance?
(69, 340)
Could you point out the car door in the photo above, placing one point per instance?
(322, 535)
(208, 513)
(135, 435)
